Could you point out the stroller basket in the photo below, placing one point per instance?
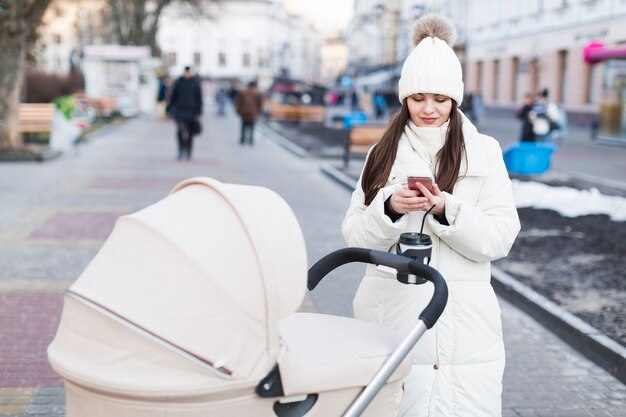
(189, 309)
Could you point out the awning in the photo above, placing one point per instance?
(595, 52)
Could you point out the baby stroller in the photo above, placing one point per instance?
(188, 310)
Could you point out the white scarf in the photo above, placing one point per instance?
(426, 141)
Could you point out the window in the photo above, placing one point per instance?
(221, 59)
(197, 59)
(246, 60)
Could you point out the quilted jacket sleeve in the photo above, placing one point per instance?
(369, 226)
(486, 231)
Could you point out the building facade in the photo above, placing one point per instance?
(518, 47)
(372, 35)
(241, 40)
(334, 60)
(231, 39)
(508, 48)
(67, 26)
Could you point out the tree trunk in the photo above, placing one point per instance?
(18, 24)
(12, 61)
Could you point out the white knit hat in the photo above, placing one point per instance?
(432, 67)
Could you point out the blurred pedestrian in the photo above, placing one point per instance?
(162, 96)
(466, 107)
(354, 100)
(544, 117)
(458, 365)
(557, 117)
(380, 104)
(477, 109)
(333, 98)
(249, 106)
(220, 99)
(527, 134)
(185, 106)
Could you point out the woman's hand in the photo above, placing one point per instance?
(435, 198)
(403, 200)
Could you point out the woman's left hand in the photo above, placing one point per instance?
(435, 198)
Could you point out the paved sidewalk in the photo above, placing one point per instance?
(57, 214)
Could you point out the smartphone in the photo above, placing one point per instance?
(425, 181)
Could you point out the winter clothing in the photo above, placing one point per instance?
(527, 134)
(186, 100)
(432, 67)
(458, 365)
(249, 105)
(186, 106)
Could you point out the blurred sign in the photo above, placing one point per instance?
(346, 81)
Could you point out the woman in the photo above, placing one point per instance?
(458, 365)
(523, 114)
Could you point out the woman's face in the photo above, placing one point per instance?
(429, 110)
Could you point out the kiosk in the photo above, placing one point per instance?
(612, 123)
(125, 75)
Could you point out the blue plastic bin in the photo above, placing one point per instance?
(355, 118)
(528, 157)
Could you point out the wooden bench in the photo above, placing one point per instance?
(35, 117)
(286, 112)
(360, 139)
(282, 112)
(312, 113)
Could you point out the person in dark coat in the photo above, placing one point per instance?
(527, 134)
(185, 105)
(249, 105)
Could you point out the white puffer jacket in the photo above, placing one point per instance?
(458, 364)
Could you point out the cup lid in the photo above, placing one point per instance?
(415, 239)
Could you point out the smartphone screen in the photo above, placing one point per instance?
(426, 181)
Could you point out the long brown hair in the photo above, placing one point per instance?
(383, 155)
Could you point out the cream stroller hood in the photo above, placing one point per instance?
(167, 269)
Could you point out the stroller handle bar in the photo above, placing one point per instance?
(400, 263)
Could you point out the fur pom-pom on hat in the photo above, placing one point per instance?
(433, 26)
(432, 67)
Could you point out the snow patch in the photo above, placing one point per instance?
(568, 201)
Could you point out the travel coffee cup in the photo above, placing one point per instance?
(417, 246)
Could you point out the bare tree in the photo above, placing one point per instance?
(137, 21)
(19, 20)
